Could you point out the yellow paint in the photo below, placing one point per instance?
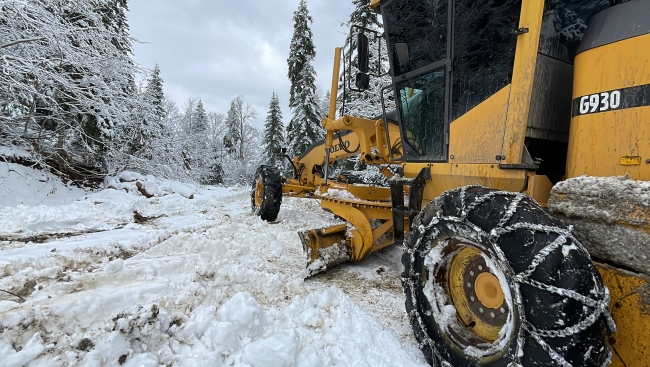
(295, 189)
(616, 65)
(381, 230)
(259, 190)
(445, 176)
(539, 188)
(630, 161)
(601, 144)
(598, 141)
(476, 136)
(368, 136)
(523, 75)
(323, 238)
(335, 83)
(370, 193)
(458, 267)
(362, 238)
(630, 307)
(488, 290)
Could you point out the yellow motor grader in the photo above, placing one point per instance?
(518, 168)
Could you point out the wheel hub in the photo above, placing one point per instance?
(477, 294)
(259, 185)
(488, 290)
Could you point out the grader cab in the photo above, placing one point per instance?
(518, 167)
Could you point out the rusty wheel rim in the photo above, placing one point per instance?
(477, 294)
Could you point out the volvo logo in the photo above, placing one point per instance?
(340, 146)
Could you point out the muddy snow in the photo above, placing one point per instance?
(113, 278)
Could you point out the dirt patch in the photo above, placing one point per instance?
(27, 288)
(645, 298)
(48, 237)
(63, 166)
(86, 345)
(353, 283)
(139, 218)
(12, 294)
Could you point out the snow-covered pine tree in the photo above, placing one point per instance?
(306, 117)
(188, 115)
(154, 94)
(273, 132)
(113, 14)
(214, 173)
(304, 128)
(325, 104)
(65, 84)
(231, 139)
(149, 125)
(199, 120)
(94, 134)
(366, 104)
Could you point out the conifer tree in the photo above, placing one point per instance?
(113, 13)
(304, 127)
(325, 104)
(273, 131)
(154, 94)
(363, 104)
(199, 120)
(147, 124)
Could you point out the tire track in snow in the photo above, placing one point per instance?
(206, 256)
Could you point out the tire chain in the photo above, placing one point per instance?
(600, 307)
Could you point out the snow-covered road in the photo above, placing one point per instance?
(205, 284)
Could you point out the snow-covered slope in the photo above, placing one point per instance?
(198, 282)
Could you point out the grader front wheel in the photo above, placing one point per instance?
(266, 193)
(492, 280)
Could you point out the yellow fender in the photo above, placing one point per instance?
(362, 237)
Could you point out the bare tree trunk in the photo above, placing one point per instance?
(26, 125)
(242, 123)
(60, 140)
(40, 137)
(32, 108)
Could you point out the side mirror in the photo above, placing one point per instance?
(363, 81)
(362, 52)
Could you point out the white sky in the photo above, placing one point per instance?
(217, 49)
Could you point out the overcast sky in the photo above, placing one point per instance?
(217, 49)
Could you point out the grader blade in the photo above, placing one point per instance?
(324, 247)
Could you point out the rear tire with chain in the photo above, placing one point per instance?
(266, 193)
(491, 279)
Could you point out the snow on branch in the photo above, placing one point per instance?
(17, 42)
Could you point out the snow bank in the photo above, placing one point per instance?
(324, 329)
(149, 186)
(79, 211)
(20, 185)
(206, 284)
